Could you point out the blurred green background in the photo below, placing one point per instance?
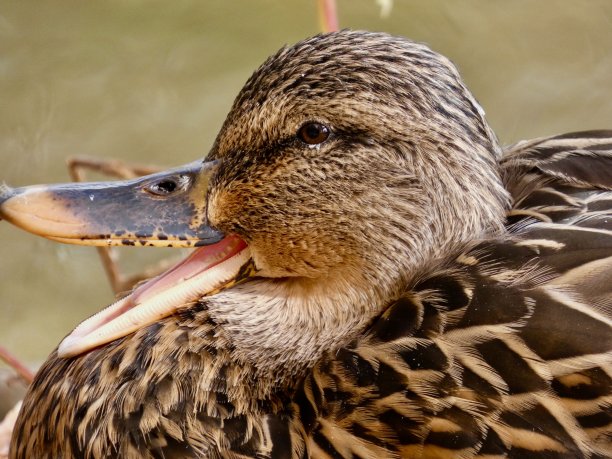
(151, 81)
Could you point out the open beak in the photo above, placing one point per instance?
(167, 209)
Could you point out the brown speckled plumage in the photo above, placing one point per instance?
(396, 312)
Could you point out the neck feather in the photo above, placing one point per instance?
(283, 326)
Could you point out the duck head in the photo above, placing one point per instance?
(348, 164)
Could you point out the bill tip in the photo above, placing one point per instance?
(67, 348)
(5, 192)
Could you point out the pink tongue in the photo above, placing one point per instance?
(202, 272)
(199, 261)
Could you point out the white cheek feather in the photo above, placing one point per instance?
(276, 327)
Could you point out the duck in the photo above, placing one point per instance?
(372, 276)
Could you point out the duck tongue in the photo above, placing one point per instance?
(203, 272)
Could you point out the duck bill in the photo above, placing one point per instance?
(167, 209)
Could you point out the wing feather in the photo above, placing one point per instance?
(519, 362)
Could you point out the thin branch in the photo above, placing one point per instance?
(13, 362)
(328, 15)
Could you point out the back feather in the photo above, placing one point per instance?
(504, 353)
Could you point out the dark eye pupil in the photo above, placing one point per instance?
(313, 133)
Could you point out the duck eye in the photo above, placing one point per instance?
(313, 133)
(167, 185)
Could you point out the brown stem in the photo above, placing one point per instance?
(16, 365)
(328, 15)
